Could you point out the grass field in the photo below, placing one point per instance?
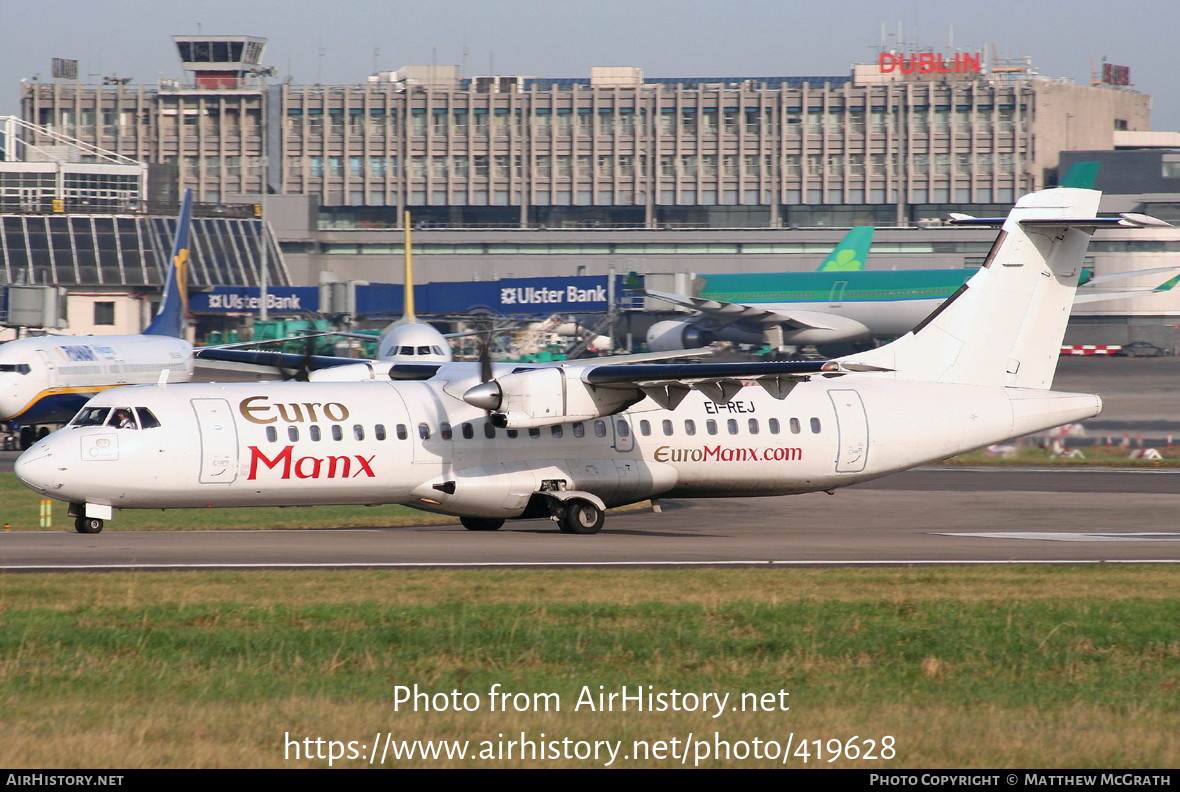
(1074, 667)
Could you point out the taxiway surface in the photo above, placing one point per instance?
(927, 516)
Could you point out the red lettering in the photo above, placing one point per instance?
(257, 456)
(309, 466)
(315, 467)
(345, 465)
(364, 463)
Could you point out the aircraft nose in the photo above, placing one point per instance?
(37, 469)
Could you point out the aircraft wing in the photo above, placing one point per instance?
(275, 360)
(726, 313)
(667, 384)
(1082, 296)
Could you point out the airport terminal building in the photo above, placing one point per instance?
(512, 176)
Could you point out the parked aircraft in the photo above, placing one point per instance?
(490, 442)
(830, 306)
(407, 340)
(47, 379)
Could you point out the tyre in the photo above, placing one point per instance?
(88, 525)
(481, 523)
(581, 517)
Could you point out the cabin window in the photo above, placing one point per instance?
(378, 431)
(773, 425)
(753, 426)
(599, 429)
(293, 434)
(402, 432)
(314, 433)
(147, 420)
(489, 431)
(555, 431)
(358, 431)
(468, 431)
(731, 425)
(337, 432)
(795, 426)
(690, 427)
(579, 429)
(815, 425)
(272, 434)
(624, 431)
(645, 428)
(444, 430)
(423, 431)
(711, 426)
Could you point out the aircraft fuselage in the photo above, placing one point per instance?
(414, 443)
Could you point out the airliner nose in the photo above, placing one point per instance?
(37, 470)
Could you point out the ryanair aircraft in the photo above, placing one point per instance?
(494, 442)
(46, 380)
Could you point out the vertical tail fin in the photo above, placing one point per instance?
(851, 252)
(1005, 325)
(169, 320)
(408, 276)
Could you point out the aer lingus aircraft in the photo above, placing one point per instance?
(832, 306)
(47, 379)
(489, 443)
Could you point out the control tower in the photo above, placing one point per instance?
(221, 61)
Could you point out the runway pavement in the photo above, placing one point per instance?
(928, 516)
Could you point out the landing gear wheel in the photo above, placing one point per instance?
(28, 436)
(581, 517)
(88, 525)
(481, 523)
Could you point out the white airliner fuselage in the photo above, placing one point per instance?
(48, 379)
(412, 443)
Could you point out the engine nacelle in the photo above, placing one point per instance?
(547, 396)
(352, 372)
(672, 335)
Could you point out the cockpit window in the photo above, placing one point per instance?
(18, 368)
(146, 419)
(91, 416)
(122, 418)
(405, 350)
(423, 350)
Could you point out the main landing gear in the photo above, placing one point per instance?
(579, 516)
(88, 525)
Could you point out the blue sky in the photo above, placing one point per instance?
(342, 41)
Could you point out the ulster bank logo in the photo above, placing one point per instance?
(538, 295)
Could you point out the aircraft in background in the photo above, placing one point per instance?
(407, 340)
(47, 379)
(491, 442)
(800, 308)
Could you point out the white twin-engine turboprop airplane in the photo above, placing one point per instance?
(490, 443)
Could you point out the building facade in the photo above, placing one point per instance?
(881, 146)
